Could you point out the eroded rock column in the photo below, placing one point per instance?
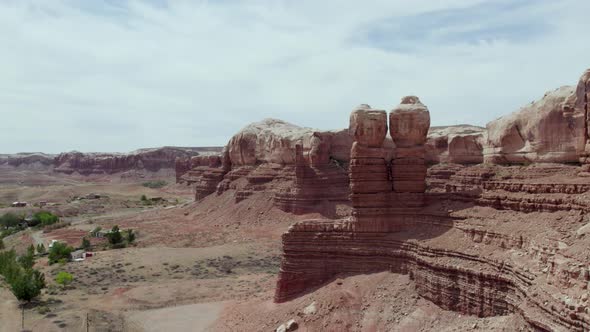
(408, 126)
(370, 185)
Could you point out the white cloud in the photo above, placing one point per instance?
(116, 76)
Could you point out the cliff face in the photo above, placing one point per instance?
(483, 240)
(108, 163)
(28, 160)
(310, 166)
(553, 129)
(548, 130)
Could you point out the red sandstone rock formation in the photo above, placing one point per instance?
(305, 169)
(548, 130)
(385, 196)
(409, 123)
(109, 163)
(485, 240)
(461, 144)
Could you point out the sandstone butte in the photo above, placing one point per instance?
(485, 221)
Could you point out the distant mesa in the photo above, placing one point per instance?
(74, 162)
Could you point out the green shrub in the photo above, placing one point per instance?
(114, 236)
(1, 244)
(143, 198)
(63, 278)
(59, 252)
(154, 184)
(41, 249)
(45, 218)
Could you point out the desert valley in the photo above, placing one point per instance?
(389, 225)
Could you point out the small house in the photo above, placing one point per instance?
(78, 255)
(19, 204)
(100, 234)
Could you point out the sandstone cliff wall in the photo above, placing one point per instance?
(109, 163)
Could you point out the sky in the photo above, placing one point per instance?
(118, 75)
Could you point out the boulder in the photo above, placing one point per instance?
(368, 126)
(409, 122)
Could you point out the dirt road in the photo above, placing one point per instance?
(9, 312)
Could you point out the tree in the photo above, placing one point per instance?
(143, 198)
(85, 243)
(10, 220)
(1, 244)
(41, 249)
(114, 236)
(59, 252)
(63, 278)
(28, 286)
(27, 261)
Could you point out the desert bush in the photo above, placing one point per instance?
(143, 198)
(63, 278)
(59, 252)
(42, 310)
(129, 236)
(154, 184)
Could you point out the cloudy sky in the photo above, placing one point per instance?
(117, 75)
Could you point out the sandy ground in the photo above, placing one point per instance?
(192, 317)
(374, 302)
(188, 262)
